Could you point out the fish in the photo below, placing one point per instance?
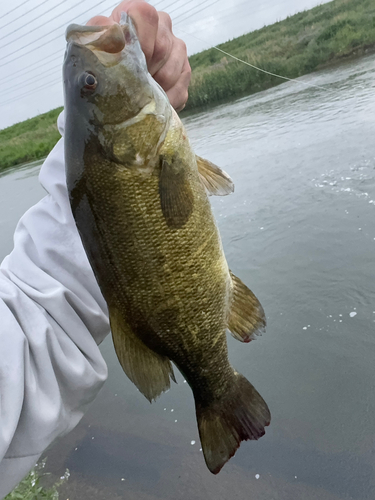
(140, 199)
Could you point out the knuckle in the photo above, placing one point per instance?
(187, 78)
(168, 77)
(165, 19)
(152, 14)
(148, 12)
(184, 95)
(162, 48)
(181, 46)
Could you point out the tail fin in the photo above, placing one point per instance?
(239, 415)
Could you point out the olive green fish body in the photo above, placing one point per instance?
(171, 286)
(139, 198)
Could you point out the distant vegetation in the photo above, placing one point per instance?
(296, 46)
(29, 140)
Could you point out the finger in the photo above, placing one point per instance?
(100, 21)
(123, 7)
(178, 94)
(164, 43)
(168, 75)
(146, 20)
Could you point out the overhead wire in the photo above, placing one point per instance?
(9, 90)
(265, 6)
(35, 64)
(49, 56)
(14, 8)
(35, 18)
(24, 14)
(196, 12)
(32, 66)
(165, 7)
(37, 77)
(11, 77)
(48, 84)
(43, 36)
(196, 6)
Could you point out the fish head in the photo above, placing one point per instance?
(105, 72)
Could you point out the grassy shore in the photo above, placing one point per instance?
(293, 47)
(29, 140)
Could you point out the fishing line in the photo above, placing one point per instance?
(294, 80)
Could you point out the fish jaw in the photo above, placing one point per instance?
(110, 42)
(112, 58)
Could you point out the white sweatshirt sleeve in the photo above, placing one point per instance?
(52, 318)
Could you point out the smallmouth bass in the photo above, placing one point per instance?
(139, 196)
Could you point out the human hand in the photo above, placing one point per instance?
(166, 54)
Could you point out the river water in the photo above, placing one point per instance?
(300, 231)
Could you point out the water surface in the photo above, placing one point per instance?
(300, 231)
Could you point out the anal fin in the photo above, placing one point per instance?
(149, 371)
(246, 319)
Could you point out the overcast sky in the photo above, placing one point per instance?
(32, 40)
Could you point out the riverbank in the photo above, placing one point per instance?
(298, 45)
(28, 140)
(316, 38)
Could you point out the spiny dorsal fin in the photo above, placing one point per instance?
(246, 319)
(149, 371)
(176, 197)
(216, 181)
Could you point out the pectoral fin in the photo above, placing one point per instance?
(176, 197)
(149, 371)
(216, 181)
(246, 319)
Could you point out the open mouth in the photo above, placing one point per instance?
(107, 42)
(110, 39)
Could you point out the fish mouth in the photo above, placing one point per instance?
(107, 42)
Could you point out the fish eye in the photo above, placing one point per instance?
(90, 82)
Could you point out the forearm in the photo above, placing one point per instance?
(52, 314)
(52, 318)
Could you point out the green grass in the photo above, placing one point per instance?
(30, 488)
(28, 140)
(293, 47)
